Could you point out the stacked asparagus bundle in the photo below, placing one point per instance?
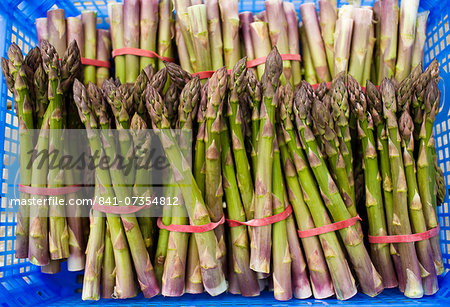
(370, 43)
(40, 81)
(146, 25)
(94, 44)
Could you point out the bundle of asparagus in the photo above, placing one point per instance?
(94, 44)
(40, 82)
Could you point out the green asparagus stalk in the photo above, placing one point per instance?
(238, 83)
(362, 18)
(368, 277)
(261, 243)
(183, 54)
(418, 224)
(198, 25)
(376, 8)
(369, 55)
(406, 38)
(420, 38)
(389, 15)
(261, 43)
(342, 43)
(131, 37)
(282, 280)
(115, 13)
(24, 110)
(166, 30)
(215, 34)
(181, 7)
(309, 72)
(240, 264)
(309, 216)
(214, 191)
(230, 29)
(74, 27)
(245, 19)
(254, 94)
(94, 257)
(109, 266)
(194, 283)
(328, 16)
(312, 30)
(148, 26)
(89, 19)
(376, 110)
(425, 167)
(278, 31)
(293, 38)
(212, 274)
(401, 223)
(56, 27)
(374, 199)
(58, 232)
(103, 54)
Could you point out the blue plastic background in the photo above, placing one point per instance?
(21, 284)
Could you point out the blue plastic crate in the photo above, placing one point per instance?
(21, 284)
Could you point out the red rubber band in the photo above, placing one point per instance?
(263, 221)
(284, 57)
(190, 228)
(406, 238)
(139, 52)
(328, 228)
(118, 209)
(94, 62)
(253, 63)
(45, 191)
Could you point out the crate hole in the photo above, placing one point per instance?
(446, 153)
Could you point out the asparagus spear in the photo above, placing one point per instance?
(312, 30)
(131, 37)
(328, 16)
(376, 110)
(254, 94)
(212, 274)
(362, 18)
(261, 243)
(148, 26)
(388, 38)
(182, 49)
(199, 28)
(237, 85)
(194, 283)
(406, 37)
(103, 54)
(24, 110)
(165, 30)
(245, 19)
(369, 278)
(374, 199)
(74, 27)
(115, 13)
(58, 232)
(282, 280)
(376, 8)
(418, 224)
(309, 216)
(42, 29)
(89, 19)
(230, 29)
(420, 38)
(310, 73)
(293, 38)
(278, 31)
(215, 34)
(369, 55)
(401, 223)
(261, 43)
(213, 193)
(181, 7)
(240, 264)
(56, 27)
(94, 256)
(425, 167)
(109, 266)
